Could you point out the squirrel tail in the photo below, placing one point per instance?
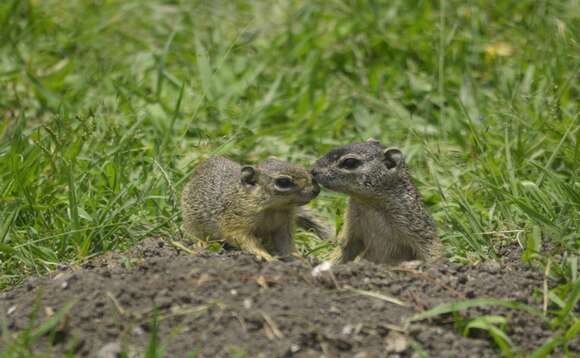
(311, 222)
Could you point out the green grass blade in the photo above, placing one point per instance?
(476, 302)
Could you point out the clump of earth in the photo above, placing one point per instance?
(230, 304)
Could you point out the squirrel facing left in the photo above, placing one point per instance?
(254, 208)
(386, 220)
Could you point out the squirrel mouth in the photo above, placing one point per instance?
(306, 198)
(325, 182)
(303, 201)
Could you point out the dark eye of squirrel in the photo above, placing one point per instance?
(350, 163)
(284, 183)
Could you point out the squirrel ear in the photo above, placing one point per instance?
(249, 175)
(372, 140)
(393, 157)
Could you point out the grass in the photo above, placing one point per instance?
(106, 106)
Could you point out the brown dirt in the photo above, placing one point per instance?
(225, 304)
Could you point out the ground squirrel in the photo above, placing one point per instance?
(386, 221)
(253, 208)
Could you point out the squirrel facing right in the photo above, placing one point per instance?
(254, 208)
(386, 221)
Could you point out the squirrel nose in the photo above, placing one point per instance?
(314, 172)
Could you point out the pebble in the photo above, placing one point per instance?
(110, 350)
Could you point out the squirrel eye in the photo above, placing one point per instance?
(284, 183)
(350, 163)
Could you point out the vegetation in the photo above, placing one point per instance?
(106, 106)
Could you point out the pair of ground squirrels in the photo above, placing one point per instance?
(256, 208)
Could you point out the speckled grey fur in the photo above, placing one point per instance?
(386, 221)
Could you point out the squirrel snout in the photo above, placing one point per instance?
(315, 172)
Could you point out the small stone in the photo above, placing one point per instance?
(48, 311)
(110, 350)
(137, 331)
(347, 330)
(11, 310)
(175, 309)
(320, 269)
(352, 330)
(364, 355)
(247, 303)
(411, 265)
(396, 342)
(58, 276)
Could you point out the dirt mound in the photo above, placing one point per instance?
(217, 305)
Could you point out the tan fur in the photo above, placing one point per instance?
(256, 217)
(380, 238)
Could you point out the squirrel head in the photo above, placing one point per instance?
(365, 169)
(279, 184)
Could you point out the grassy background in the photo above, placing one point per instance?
(106, 106)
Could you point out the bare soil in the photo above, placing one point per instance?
(230, 304)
